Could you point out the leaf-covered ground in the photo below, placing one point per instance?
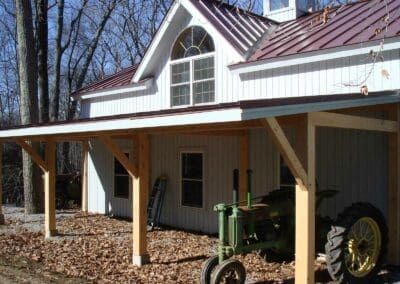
(98, 249)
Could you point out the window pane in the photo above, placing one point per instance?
(180, 95)
(180, 73)
(118, 168)
(286, 177)
(121, 186)
(192, 41)
(203, 92)
(278, 4)
(203, 68)
(192, 193)
(192, 165)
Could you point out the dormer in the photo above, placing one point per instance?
(287, 10)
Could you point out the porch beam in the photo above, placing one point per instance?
(50, 189)
(141, 184)
(394, 190)
(1, 185)
(84, 174)
(119, 155)
(31, 152)
(243, 164)
(336, 120)
(286, 150)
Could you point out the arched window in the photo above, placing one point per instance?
(192, 68)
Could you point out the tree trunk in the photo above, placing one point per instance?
(27, 69)
(58, 51)
(43, 78)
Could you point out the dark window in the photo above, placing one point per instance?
(121, 180)
(278, 4)
(286, 177)
(192, 179)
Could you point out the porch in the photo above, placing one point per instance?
(233, 121)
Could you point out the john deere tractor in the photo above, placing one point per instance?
(355, 243)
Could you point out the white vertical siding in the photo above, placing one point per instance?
(337, 76)
(101, 181)
(220, 158)
(353, 162)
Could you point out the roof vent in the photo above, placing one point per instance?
(286, 10)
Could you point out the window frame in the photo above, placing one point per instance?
(126, 152)
(191, 81)
(192, 151)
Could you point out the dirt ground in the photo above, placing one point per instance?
(97, 249)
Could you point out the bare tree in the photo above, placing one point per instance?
(27, 66)
(42, 53)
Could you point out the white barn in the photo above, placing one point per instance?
(195, 109)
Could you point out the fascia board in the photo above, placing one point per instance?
(315, 56)
(141, 86)
(156, 41)
(217, 116)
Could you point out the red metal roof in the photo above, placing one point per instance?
(119, 79)
(241, 28)
(345, 25)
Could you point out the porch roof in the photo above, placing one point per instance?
(197, 115)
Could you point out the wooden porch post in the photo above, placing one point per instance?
(305, 206)
(1, 185)
(84, 173)
(49, 189)
(140, 198)
(243, 164)
(394, 190)
(305, 192)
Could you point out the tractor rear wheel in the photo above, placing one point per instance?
(357, 244)
(207, 269)
(229, 271)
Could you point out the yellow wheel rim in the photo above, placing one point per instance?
(363, 247)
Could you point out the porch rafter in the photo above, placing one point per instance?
(31, 152)
(119, 155)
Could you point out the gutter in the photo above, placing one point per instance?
(140, 86)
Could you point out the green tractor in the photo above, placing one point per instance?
(355, 243)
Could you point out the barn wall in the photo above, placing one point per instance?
(337, 76)
(101, 181)
(353, 162)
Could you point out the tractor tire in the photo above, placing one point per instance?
(357, 244)
(207, 269)
(229, 271)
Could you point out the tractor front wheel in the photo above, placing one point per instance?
(357, 244)
(207, 269)
(229, 271)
